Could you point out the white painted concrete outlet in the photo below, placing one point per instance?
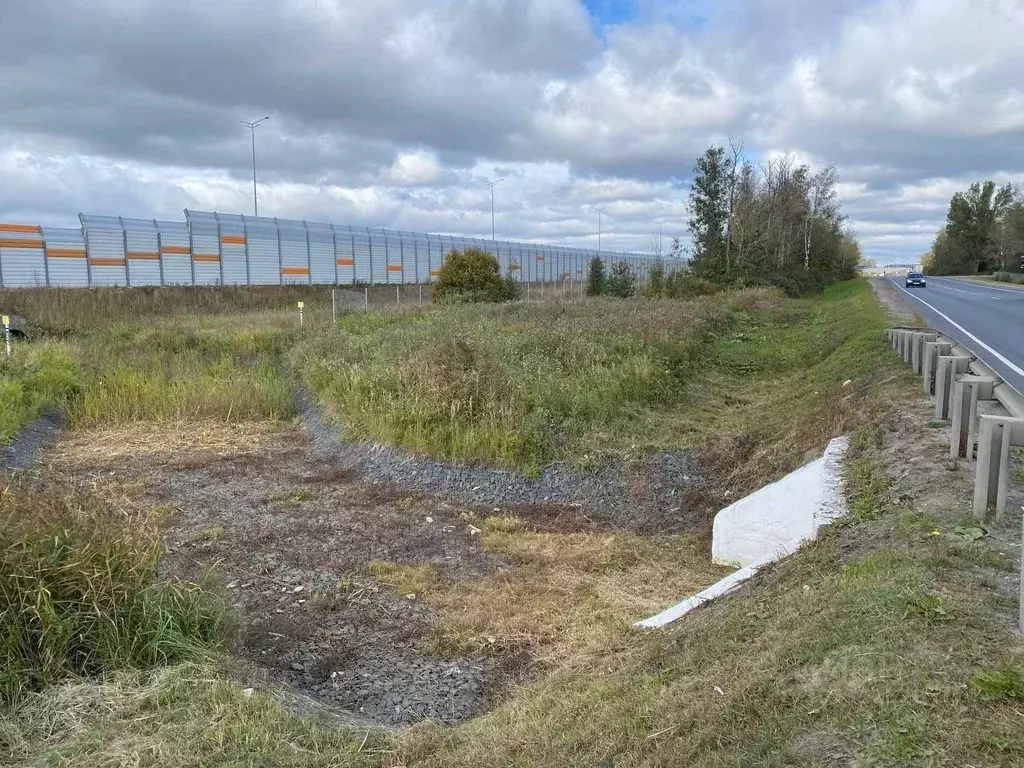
(770, 524)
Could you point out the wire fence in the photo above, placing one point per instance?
(231, 249)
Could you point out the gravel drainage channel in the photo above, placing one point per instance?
(648, 495)
(296, 541)
(28, 445)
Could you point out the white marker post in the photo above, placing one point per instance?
(366, 298)
(334, 308)
(301, 305)
(398, 294)
(7, 333)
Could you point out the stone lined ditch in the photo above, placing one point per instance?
(644, 495)
(28, 445)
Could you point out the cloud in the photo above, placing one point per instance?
(393, 113)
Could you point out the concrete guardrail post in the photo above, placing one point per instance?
(967, 391)
(907, 348)
(918, 341)
(946, 372)
(929, 362)
(995, 436)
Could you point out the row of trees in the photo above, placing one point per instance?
(777, 222)
(618, 281)
(984, 232)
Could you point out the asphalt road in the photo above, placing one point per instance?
(989, 321)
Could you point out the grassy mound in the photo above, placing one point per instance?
(516, 385)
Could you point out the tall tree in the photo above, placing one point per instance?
(778, 222)
(709, 210)
(973, 221)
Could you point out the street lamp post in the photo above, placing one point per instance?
(252, 130)
(492, 185)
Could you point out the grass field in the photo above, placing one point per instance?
(522, 385)
(887, 642)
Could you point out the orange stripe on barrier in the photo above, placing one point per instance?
(294, 270)
(105, 262)
(346, 262)
(435, 273)
(34, 229)
(182, 249)
(144, 255)
(206, 256)
(394, 267)
(66, 253)
(19, 242)
(540, 258)
(233, 239)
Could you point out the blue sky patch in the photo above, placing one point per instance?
(610, 12)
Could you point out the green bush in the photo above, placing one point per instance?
(620, 281)
(471, 276)
(1009, 277)
(595, 277)
(657, 282)
(79, 593)
(684, 285)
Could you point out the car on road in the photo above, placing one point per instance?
(915, 278)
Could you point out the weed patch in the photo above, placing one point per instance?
(80, 594)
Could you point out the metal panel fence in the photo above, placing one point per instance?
(232, 249)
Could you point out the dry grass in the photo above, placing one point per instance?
(567, 593)
(406, 580)
(179, 717)
(102, 445)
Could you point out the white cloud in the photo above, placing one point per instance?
(393, 113)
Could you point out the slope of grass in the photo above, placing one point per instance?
(881, 644)
(512, 385)
(785, 380)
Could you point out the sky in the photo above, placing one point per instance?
(394, 113)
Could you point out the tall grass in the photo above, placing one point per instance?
(512, 385)
(123, 373)
(137, 374)
(38, 376)
(64, 310)
(80, 595)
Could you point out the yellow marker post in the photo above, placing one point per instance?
(7, 333)
(301, 305)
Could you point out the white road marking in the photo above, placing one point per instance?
(1001, 358)
(980, 286)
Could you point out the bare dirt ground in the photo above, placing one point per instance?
(899, 307)
(293, 537)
